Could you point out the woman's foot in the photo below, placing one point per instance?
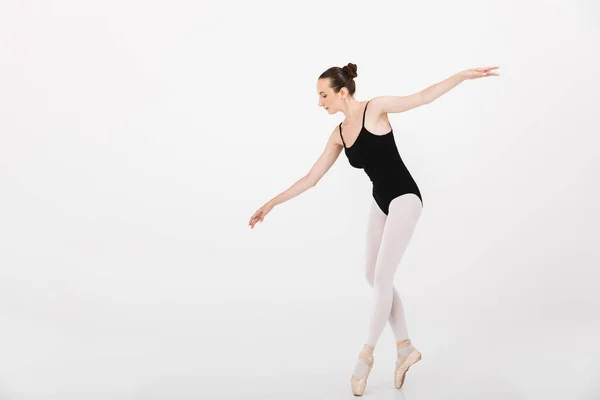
(407, 356)
(362, 370)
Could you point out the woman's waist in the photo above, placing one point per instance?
(389, 175)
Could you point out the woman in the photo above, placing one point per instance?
(368, 142)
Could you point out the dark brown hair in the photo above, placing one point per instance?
(341, 77)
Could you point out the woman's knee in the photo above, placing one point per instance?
(383, 284)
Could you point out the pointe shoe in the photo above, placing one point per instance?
(359, 385)
(402, 368)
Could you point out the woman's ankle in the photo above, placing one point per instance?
(368, 350)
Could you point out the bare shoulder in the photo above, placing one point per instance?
(377, 113)
(335, 136)
(377, 106)
(398, 104)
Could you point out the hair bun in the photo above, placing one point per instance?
(351, 70)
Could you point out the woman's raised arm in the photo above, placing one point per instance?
(398, 104)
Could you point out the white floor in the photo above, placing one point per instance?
(300, 352)
(477, 357)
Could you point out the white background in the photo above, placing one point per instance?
(138, 137)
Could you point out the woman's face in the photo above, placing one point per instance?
(328, 99)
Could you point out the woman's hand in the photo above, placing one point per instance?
(478, 73)
(260, 214)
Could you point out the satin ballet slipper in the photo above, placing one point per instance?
(402, 368)
(359, 385)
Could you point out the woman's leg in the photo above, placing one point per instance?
(375, 225)
(404, 212)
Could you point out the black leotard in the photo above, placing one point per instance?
(380, 159)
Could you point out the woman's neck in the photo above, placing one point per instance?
(352, 110)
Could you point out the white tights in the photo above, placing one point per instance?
(387, 239)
